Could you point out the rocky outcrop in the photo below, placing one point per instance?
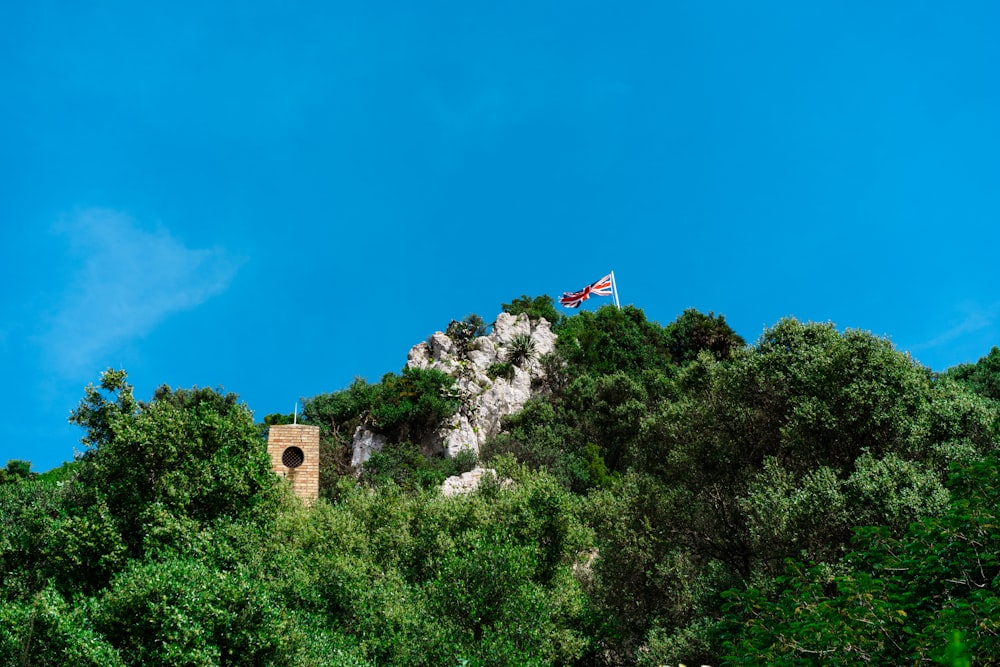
(364, 444)
(485, 399)
(467, 482)
(493, 381)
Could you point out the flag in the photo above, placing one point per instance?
(603, 287)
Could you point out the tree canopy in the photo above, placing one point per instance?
(669, 494)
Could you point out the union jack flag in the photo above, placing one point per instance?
(600, 288)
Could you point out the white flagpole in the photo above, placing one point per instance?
(614, 290)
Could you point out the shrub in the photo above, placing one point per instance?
(49, 631)
(405, 465)
(338, 414)
(694, 332)
(181, 612)
(611, 339)
(412, 403)
(18, 468)
(501, 369)
(538, 307)
(472, 326)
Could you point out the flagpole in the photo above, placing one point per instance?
(614, 290)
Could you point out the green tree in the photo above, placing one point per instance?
(610, 339)
(407, 407)
(894, 600)
(538, 307)
(693, 332)
(410, 405)
(808, 411)
(274, 419)
(17, 469)
(192, 455)
(337, 415)
(776, 453)
(983, 377)
(183, 612)
(585, 433)
(405, 465)
(49, 630)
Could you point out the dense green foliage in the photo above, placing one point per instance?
(671, 494)
(898, 600)
(404, 408)
(535, 307)
(982, 377)
(708, 464)
(694, 332)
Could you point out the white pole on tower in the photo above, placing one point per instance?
(614, 290)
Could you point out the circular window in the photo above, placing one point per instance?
(292, 457)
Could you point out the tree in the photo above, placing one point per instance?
(983, 377)
(187, 457)
(892, 600)
(412, 404)
(181, 611)
(692, 332)
(776, 453)
(538, 307)
(612, 339)
(48, 630)
(16, 470)
(405, 408)
(780, 445)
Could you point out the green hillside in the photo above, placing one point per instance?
(670, 494)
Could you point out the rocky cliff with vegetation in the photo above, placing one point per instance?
(669, 494)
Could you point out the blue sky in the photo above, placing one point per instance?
(278, 197)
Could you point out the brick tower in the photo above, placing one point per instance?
(294, 451)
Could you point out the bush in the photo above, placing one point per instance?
(462, 332)
(18, 468)
(49, 631)
(411, 404)
(538, 307)
(501, 369)
(337, 415)
(612, 339)
(983, 377)
(694, 332)
(181, 612)
(405, 465)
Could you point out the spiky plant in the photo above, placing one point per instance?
(521, 349)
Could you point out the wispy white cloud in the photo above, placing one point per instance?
(126, 280)
(975, 318)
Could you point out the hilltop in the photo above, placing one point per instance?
(669, 494)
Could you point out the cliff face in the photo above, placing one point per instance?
(484, 399)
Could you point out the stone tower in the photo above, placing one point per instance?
(294, 451)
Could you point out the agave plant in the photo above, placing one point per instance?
(521, 349)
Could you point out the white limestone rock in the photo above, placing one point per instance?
(442, 347)
(363, 445)
(467, 482)
(484, 401)
(419, 356)
(481, 412)
(483, 352)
